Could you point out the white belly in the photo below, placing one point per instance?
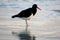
(28, 18)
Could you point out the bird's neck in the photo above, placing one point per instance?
(34, 11)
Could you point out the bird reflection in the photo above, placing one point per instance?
(25, 35)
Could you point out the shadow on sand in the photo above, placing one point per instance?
(25, 35)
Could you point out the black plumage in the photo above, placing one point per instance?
(27, 12)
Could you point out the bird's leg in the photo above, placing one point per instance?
(26, 25)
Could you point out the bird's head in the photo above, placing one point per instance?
(35, 6)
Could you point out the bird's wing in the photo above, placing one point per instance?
(25, 13)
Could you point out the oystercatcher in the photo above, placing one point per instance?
(27, 13)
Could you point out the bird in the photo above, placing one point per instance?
(27, 14)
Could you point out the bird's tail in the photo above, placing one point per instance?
(14, 16)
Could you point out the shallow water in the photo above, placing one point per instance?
(45, 25)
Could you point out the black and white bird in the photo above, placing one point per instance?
(27, 13)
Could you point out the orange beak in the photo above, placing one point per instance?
(38, 8)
